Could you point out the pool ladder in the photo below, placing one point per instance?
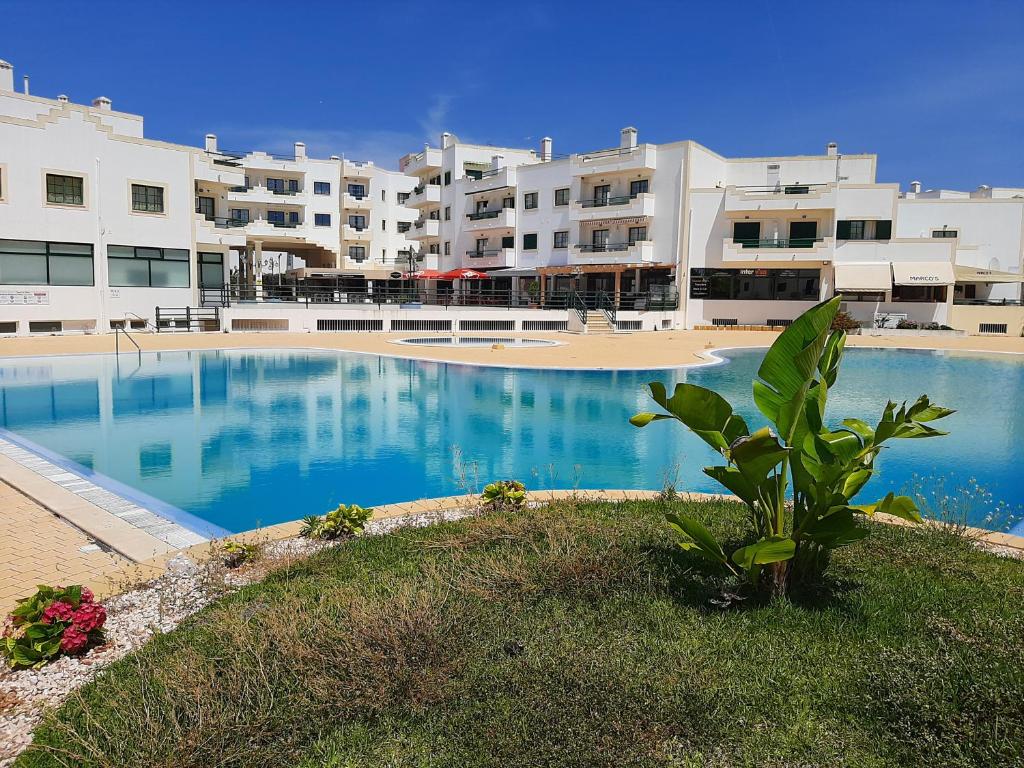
(117, 344)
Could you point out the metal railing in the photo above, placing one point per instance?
(600, 202)
(578, 305)
(440, 294)
(606, 247)
(484, 214)
(484, 252)
(118, 330)
(602, 153)
(188, 318)
(606, 304)
(226, 222)
(782, 189)
(989, 302)
(795, 242)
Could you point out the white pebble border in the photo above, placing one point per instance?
(133, 618)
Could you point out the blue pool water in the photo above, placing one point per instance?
(246, 438)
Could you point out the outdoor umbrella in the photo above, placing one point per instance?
(426, 274)
(465, 274)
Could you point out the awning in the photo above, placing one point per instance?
(513, 272)
(863, 277)
(923, 273)
(979, 275)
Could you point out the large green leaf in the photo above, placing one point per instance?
(758, 454)
(923, 410)
(734, 481)
(836, 530)
(704, 411)
(773, 549)
(696, 536)
(898, 506)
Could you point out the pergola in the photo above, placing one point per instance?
(582, 269)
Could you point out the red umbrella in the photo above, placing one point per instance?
(425, 274)
(465, 274)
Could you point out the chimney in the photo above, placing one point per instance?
(24, 83)
(497, 161)
(6, 76)
(102, 102)
(545, 149)
(300, 150)
(447, 140)
(334, 157)
(831, 149)
(211, 142)
(63, 99)
(915, 187)
(627, 138)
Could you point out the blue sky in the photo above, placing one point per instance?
(936, 89)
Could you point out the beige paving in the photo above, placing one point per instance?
(37, 547)
(631, 350)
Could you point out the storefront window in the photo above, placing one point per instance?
(755, 284)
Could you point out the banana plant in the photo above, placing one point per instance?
(797, 477)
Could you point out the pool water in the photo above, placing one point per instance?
(244, 438)
(474, 341)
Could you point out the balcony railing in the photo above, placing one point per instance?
(602, 153)
(484, 253)
(989, 302)
(782, 189)
(283, 191)
(226, 222)
(796, 242)
(599, 202)
(478, 215)
(606, 247)
(284, 224)
(239, 189)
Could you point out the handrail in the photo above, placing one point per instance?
(577, 303)
(600, 202)
(584, 156)
(477, 215)
(606, 305)
(117, 346)
(796, 242)
(482, 252)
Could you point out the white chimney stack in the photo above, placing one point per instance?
(627, 138)
(545, 149)
(102, 102)
(915, 187)
(211, 142)
(300, 150)
(831, 149)
(6, 76)
(446, 140)
(24, 82)
(63, 99)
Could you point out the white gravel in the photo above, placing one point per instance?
(135, 616)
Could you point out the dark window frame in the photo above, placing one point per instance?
(528, 243)
(147, 198)
(61, 185)
(529, 201)
(561, 197)
(48, 252)
(149, 264)
(732, 284)
(321, 219)
(321, 187)
(560, 239)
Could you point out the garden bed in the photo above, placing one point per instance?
(577, 634)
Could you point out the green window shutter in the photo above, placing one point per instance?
(883, 229)
(842, 230)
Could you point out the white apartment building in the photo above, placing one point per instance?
(100, 227)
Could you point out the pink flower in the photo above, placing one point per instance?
(89, 616)
(57, 611)
(87, 596)
(74, 640)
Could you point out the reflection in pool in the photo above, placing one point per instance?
(242, 438)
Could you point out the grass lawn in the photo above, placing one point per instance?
(577, 635)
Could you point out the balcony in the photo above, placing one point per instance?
(424, 229)
(220, 230)
(796, 249)
(496, 178)
(218, 168)
(781, 198)
(257, 194)
(502, 218)
(642, 157)
(287, 230)
(356, 234)
(639, 252)
(490, 257)
(425, 194)
(427, 160)
(357, 202)
(613, 207)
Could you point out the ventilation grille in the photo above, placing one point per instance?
(545, 325)
(724, 321)
(992, 328)
(784, 323)
(487, 325)
(666, 323)
(421, 325)
(629, 325)
(350, 325)
(45, 326)
(258, 324)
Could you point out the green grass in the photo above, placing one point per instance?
(578, 635)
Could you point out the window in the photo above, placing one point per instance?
(447, 213)
(481, 206)
(357, 191)
(755, 284)
(322, 219)
(357, 221)
(883, 229)
(508, 241)
(508, 202)
(404, 226)
(293, 217)
(637, 234)
(143, 267)
(403, 197)
(945, 232)
(434, 249)
(64, 190)
(530, 242)
(357, 253)
(434, 215)
(240, 214)
(321, 187)
(148, 199)
(383, 195)
(803, 234)
(864, 230)
(31, 262)
(850, 230)
(873, 296)
(530, 201)
(562, 196)
(746, 233)
(211, 270)
(447, 178)
(599, 239)
(561, 240)
(447, 247)
(639, 187)
(384, 224)
(275, 217)
(204, 205)
(481, 246)
(435, 180)
(602, 192)
(929, 294)
(275, 185)
(3, 182)
(473, 173)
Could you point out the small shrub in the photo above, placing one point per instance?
(236, 553)
(843, 321)
(346, 520)
(504, 494)
(53, 621)
(907, 325)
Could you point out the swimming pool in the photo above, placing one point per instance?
(242, 438)
(475, 341)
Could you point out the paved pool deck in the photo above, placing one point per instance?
(48, 534)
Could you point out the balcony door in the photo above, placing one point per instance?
(599, 240)
(601, 194)
(802, 234)
(357, 222)
(204, 205)
(481, 245)
(746, 233)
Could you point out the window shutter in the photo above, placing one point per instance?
(842, 230)
(883, 229)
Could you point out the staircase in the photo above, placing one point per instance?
(597, 322)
